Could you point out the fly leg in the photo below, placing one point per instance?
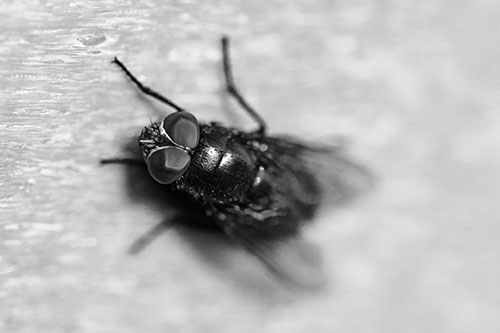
(139, 244)
(146, 90)
(125, 160)
(233, 91)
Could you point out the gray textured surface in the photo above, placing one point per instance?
(414, 86)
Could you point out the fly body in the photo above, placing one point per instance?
(257, 188)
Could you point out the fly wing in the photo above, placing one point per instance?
(340, 178)
(294, 179)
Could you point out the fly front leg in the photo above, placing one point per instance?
(146, 90)
(125, 160)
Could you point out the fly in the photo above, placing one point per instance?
(258, 189)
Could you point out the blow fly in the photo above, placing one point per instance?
(257, 189)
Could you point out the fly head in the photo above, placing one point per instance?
(167, 146)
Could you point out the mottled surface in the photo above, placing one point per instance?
(413, 85)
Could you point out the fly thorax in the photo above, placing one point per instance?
(226, 173)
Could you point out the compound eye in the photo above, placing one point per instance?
(168, 164)
(183, 129)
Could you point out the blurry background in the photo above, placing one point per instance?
(414, 87)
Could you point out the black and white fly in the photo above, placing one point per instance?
(258, 189)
